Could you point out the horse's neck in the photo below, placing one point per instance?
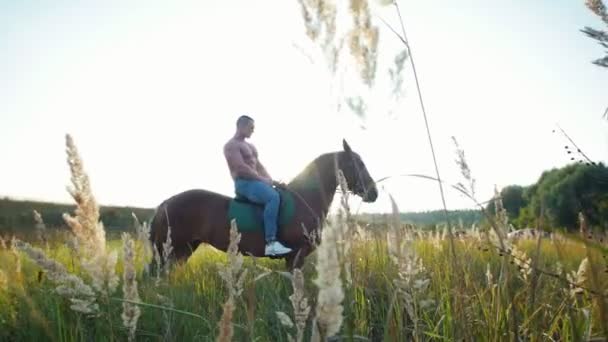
(317, 184)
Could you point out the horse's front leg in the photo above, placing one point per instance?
(296, 258)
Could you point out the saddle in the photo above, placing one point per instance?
(249, 216)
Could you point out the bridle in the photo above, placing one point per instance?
(360, 183)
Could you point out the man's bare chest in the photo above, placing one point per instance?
(247, 151)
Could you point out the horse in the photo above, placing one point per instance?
(200, 216)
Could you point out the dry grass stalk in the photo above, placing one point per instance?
(522, 261)
(143, 240)
(167, 327)
(582, 226)
(579, 278)
(234, 276)
(70, 286)
(347, 228)
(598, 7)
(102, 269)
(313, 237)
(163, 262)
(397, 77)
(87, 228)
(320, 22)
(41, 233)
(3, 281)
(501, 227)
(162, 258)
(559, 268)
(2, 242)
(344, 198)
(489, 276)
(363, 38)
(225, 324)
(436, 239)
(465, 170)
(412, 281)
(329, 302)
(85, 223)
(131, 312)
(73, 245)
(299, 302)
(286, 322)
(159, 266)
(17, 267)
(394, 237)
(167, 251)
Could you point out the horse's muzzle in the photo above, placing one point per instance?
(371, 195)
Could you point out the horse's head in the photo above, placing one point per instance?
(357, 177)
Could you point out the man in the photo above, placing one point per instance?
(253, 182)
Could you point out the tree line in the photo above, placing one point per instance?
(18, 216)
(558, 197)
(555, 201)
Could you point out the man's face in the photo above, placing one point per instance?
(247, 129)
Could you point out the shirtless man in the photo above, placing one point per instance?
(253, 182)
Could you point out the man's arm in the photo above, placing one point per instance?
(259, 166)
(237, 165)
(262, 170)
(264, 173)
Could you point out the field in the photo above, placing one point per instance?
(357, 291)
(384, 282)
(85, 277)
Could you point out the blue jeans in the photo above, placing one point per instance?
(262, 193)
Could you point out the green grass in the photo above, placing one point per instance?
(538, 308)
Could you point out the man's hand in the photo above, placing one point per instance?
(279, 184)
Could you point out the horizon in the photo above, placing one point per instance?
(151, 93)
(101, 205)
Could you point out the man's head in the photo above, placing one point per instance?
(245, 126)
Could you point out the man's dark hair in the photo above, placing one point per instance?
(242, 120)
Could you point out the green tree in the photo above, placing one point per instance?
(560, 194)
(513, 201)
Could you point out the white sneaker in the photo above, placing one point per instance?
(276, 248)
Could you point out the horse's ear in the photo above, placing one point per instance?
(346, 146)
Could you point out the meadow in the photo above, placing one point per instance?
(484, 296)
(390, 282)
(387, 281)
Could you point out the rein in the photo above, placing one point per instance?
(360, 182)
(297, 194)
(359, 177)
(285, 187)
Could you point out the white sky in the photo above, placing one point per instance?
(150, 92)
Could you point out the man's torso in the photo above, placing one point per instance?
(247, 151)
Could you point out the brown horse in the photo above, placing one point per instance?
(201, 216)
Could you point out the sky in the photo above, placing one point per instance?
(150, 92)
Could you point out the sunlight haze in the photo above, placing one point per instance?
(150, 92)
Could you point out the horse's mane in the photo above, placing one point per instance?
(315, 168)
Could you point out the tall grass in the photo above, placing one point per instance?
(395, 284)
(189, 305)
